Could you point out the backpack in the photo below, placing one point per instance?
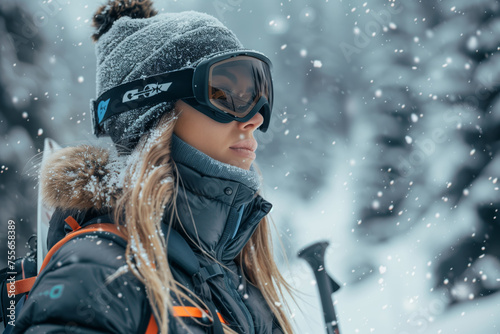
(15, 292)
(16, 270)
(17, 279)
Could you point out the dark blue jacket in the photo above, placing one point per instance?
(71, 295)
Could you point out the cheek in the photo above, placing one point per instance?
(203, 133)
(215, 140)
(191, 126)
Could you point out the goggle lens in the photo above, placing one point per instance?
(235, 85)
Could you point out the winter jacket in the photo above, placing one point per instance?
(71, 295)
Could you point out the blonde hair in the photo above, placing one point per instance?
(149, 187)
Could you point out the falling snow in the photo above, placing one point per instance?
(383, 141)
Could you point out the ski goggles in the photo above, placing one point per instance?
(227, 87)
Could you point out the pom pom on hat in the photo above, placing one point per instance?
(109, 13)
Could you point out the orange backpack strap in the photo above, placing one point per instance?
(180, 311)
(191, 311)
(72, 223)
(152, 326)
(25, 285)
(21, 286)
(102, 227)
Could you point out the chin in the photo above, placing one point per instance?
(245, 165)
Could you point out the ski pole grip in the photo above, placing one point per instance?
(315, 256)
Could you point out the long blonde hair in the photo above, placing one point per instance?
(150, 186)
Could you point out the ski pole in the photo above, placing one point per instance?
(315, 256)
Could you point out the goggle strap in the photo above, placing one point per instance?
(144, 92)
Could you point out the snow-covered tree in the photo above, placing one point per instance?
(428, 130)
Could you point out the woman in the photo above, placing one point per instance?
(181, 99)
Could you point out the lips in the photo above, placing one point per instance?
(247, 144)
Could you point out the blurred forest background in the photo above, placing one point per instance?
(384, 141)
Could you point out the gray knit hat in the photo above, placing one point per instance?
(133, 42)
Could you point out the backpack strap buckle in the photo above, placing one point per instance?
(210, 271)
(203, 275)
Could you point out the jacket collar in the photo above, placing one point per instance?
(214, 214)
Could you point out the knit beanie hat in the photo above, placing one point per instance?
(132, 42)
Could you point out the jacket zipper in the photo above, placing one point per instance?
(232, 291)
(236, 296)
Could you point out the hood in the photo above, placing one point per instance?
(80, 182)
(82, 178)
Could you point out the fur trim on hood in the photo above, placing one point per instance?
(80, 177)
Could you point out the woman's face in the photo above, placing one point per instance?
(232, 143)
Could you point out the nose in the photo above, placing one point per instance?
(253, 123)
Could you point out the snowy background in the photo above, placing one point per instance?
(384, 141)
